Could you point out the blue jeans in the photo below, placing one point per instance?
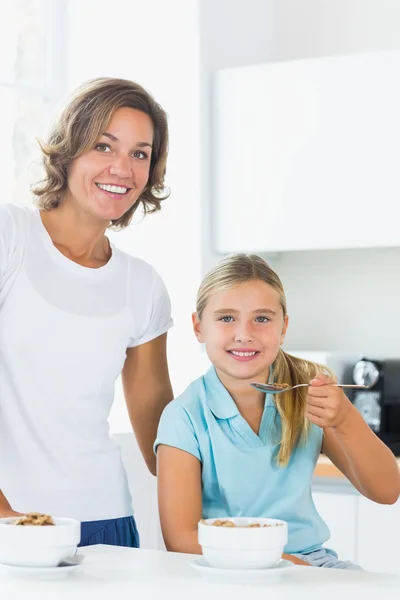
(112, 532)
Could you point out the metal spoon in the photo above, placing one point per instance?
(270, 388)
(68, 561)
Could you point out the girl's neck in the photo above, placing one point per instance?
(244, 396)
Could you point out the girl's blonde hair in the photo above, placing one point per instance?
(80, 125)
(291, 406)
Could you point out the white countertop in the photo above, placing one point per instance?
(113, 573)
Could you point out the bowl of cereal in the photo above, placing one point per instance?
(242, 542)
(36, 540)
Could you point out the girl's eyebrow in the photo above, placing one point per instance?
(115, 139)
(263, 311)
(269, 311)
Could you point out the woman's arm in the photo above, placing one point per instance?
(350, 443)
(147, 390)
(180, 500)
(5, 508)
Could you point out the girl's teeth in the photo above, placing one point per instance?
(243, 353)
(115, 189)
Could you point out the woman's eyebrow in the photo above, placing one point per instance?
(113, 138)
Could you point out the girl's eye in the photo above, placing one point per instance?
(102, 147)
(262, 319)
(226, 319)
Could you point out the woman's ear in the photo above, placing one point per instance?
(197, 327)
(284, 329)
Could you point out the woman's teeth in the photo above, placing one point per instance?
(242, 353)
(115, 189)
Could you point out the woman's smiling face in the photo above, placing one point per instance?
(109, 178)
(242, 329)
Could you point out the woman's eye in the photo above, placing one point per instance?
(262, 319)
(102, 147)
(141, 155)
(226, 319)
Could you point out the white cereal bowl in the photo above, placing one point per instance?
(243, 547)
(38, 546)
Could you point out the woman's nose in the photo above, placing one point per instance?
(122, 167)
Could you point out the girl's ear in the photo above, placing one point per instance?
(197, 327)
(284, 329)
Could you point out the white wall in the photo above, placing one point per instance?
(337, 300)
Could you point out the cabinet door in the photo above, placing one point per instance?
(339, 511)
(378, 537)
(296, 140)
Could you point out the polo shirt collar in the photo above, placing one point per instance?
(218, 398)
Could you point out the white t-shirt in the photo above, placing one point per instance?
(64, 331)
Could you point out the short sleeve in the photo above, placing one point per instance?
(7, 236)
(157, 319)
(12, 238)
(176, 429)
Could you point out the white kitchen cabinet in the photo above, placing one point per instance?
(306, 154)
(339, 511)
(378, 536)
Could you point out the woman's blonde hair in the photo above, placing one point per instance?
(291, 406)
(80, 125)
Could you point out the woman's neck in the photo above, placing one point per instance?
(77, 235)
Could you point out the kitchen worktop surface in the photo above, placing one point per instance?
(326, 469)
(109, 572)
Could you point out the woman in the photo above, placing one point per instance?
(75, 312)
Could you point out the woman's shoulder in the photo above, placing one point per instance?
(14, 214)
(138, 270)
(14, 225)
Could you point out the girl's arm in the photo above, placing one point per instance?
(365, 460)
(351, 445)
(147, 391)
(180, 500)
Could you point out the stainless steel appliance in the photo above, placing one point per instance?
(380, 405)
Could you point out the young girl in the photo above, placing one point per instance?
(226, 450)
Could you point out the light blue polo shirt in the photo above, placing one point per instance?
(240, 476)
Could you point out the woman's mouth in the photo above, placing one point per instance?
(244, 355)
(112, 190)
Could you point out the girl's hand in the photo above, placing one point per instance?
(327, 406)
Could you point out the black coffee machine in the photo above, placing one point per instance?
(380, 404)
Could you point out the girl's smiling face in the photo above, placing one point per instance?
(108, 179)
(242, 329)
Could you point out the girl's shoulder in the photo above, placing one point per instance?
(190, 402)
